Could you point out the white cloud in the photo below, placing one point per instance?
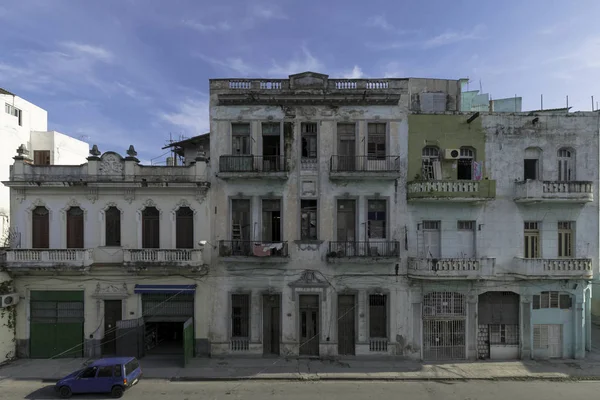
(393, 69)
(82, 50)
(235, 64)
(190, 115)
(356, 73)
(381, 22)
(451, 37)
(306, 62)
(222, 26)
(266, 11)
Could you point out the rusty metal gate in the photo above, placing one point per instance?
(130, 338)
(346, 325)
(444, 326)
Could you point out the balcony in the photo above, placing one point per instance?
(253, 251)
(451, 191)
(142, 259)
(450, 268)
(533, 191)
(364, 167)
(372, 251)
(252, 167)
(48, 259)
(553, 268)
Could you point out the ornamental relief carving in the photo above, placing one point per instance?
(111, 165)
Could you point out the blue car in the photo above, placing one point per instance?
(107, 375)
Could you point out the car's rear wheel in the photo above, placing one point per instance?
(117, 392)
(65, 392)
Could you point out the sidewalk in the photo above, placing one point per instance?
(230, 369)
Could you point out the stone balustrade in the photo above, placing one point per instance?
(460, 268)
(44, 258)
(454, 190)
(163, 257)
(554, 191)
(557, 268)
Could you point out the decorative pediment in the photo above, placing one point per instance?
(309, 282)
(111, 291)
(149, 203)
(308, 80)
(111, 163)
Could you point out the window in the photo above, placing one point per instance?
(131, 366)
(106, 372)
(309, 140)
(430, 167)
(118, 371)
(531, 163)
(465, 239)
(75, 228)
(271, 147)
(89, 373)
(377, 316)
(565, 165)
(15, 112)
(271, 214)
(240, 315)
(432, 239)
(464, 170)
(376, 141)
(184, 228)
(240, 139)
(308, 216)
(565, 239)
(41, 157)
(504, 334)
(113, 226)
(150, 228)
(532, 240)
(376, 219)
(40, 229)
(552, 300)
(346, 142)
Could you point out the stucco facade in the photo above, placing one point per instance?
(353, 271)
(104, 262)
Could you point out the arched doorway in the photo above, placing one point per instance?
(498, 330)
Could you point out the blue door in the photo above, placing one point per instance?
(104, 379)
(86, 381)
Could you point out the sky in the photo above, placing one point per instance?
(121, 72)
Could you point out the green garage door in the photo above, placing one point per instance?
(56, 324)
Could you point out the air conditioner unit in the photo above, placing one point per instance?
(451, 154)
(9, 300)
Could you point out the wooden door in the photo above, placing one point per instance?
(40, 229)
(271, 324)
(150, 228)
(309, 325)
(346, 325)
(75, 228)
(112, 314)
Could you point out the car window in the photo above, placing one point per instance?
(89, 372)
(131, 366)
(106, 372)
(118, 370)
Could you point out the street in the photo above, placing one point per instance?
(258, 390)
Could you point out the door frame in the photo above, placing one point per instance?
(299, 318)
(115, 325)
(262, 320)
(337, 315)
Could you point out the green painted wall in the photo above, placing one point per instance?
(446, 132)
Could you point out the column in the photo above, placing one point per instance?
(471, 334)
(417, 324)
(579, 329)
(525, 327)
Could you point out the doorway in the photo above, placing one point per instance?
(309, 325)
(346, 325)
(271, 323)
(113, 312)
(346, 147)
(271, 212)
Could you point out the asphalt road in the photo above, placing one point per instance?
(260, 390)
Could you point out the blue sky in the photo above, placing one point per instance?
(120, 72)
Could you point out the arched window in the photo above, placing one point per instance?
(430, 167)
(112, 219)
(566, 165)
(150, 228)
(40, 228)
(184, 228)
(75, 228)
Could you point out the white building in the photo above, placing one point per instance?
(308, 189)
(109, 247)
(23, 123)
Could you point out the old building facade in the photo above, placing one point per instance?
(308, 189)
(110, 259)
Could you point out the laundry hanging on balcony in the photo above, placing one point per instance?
(264, 250)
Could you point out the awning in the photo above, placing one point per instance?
(165, 289)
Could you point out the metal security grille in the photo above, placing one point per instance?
(167, 307)
(444, 322)
(53, 312)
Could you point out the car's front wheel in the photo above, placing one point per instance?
(65, 392)
(117, 392)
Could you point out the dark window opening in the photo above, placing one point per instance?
(240, 315)
(113, 227)
(271, 210)
(309, 140)
(40, 229)
(309, 224)
(150, 228)
(376, 219)
(184, 228)
(75, 228)
(530, 167)
(464, 170)
(377, 316)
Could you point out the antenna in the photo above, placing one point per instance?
(541, 101)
